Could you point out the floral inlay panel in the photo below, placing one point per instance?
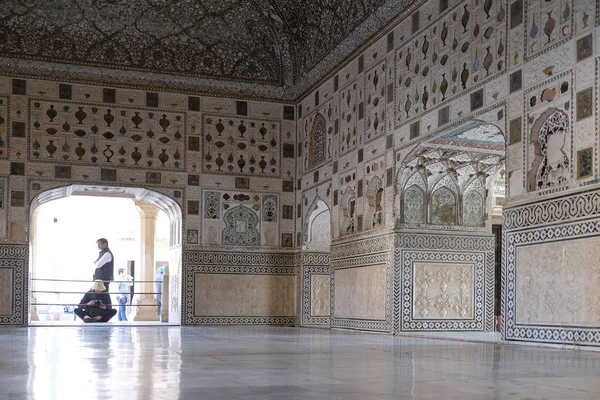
(443, 291)
(241, 227)
(558, 283)
(241, 146)
(78, 133)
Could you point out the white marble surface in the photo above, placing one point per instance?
(245, 362)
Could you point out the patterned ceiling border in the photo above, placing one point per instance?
(141, 81)
(369, 31)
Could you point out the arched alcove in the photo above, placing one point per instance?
(317, 227)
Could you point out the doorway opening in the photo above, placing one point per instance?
(143, 229)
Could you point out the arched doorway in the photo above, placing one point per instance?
(316, 275)
(444, 207)
(148, 204)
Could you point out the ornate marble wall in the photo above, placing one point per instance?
(316, 290)
(362, 281)
(443, 281)
(551, 270)
(526, 67)
(228, 164)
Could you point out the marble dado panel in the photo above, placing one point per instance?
(364, 263)
(558, 264)
(443, 282)
(319, 295)
(558, 283)
(13, 284)
(235, 288)
(232, 295)
(86, 133)
(444, 291)
(241, 146)
(360, 292)
(316, 290)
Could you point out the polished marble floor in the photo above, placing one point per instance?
(246, 362)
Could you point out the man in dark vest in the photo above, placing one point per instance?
(105, 263)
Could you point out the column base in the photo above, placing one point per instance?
(146, 310)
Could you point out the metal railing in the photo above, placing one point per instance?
(42, 304)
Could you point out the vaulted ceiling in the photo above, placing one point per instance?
(261, 42)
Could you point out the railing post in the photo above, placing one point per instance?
(164, 313)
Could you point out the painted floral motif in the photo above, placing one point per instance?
(318, 142)
(270, 208)
(211, 205)
(240, 227)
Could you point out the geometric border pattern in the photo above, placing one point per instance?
(197, 262)
(307, 273)
(360, 253)
(411, 247)
(580, 205)
(409, 258)
(16, 257)
(312, 264)
(585, 336)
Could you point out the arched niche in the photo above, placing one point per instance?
(374, 197)
(240, 227)
(317, 226)
(413, 199)
(444, 202)
(347, 215)
(550, 138)
(317, 142)
(474, 204)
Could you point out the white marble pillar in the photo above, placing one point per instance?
(146, 309)
(32, 272)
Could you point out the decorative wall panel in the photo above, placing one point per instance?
(443, 282)
(364, 265)
(241, 146)
(13, 284)
(232, 295)
(241, 282)
(557, 283)
(360, 292)
(443, 291)
(317, 137)
(316, 291)
(256, 224)
(550, 271)
(87, 133)
(460, 48)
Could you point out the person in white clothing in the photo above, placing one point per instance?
(105, 264)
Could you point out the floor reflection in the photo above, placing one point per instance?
(249, 362)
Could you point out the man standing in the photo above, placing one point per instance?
(105, 263)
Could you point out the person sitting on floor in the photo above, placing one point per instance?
(96, 305)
